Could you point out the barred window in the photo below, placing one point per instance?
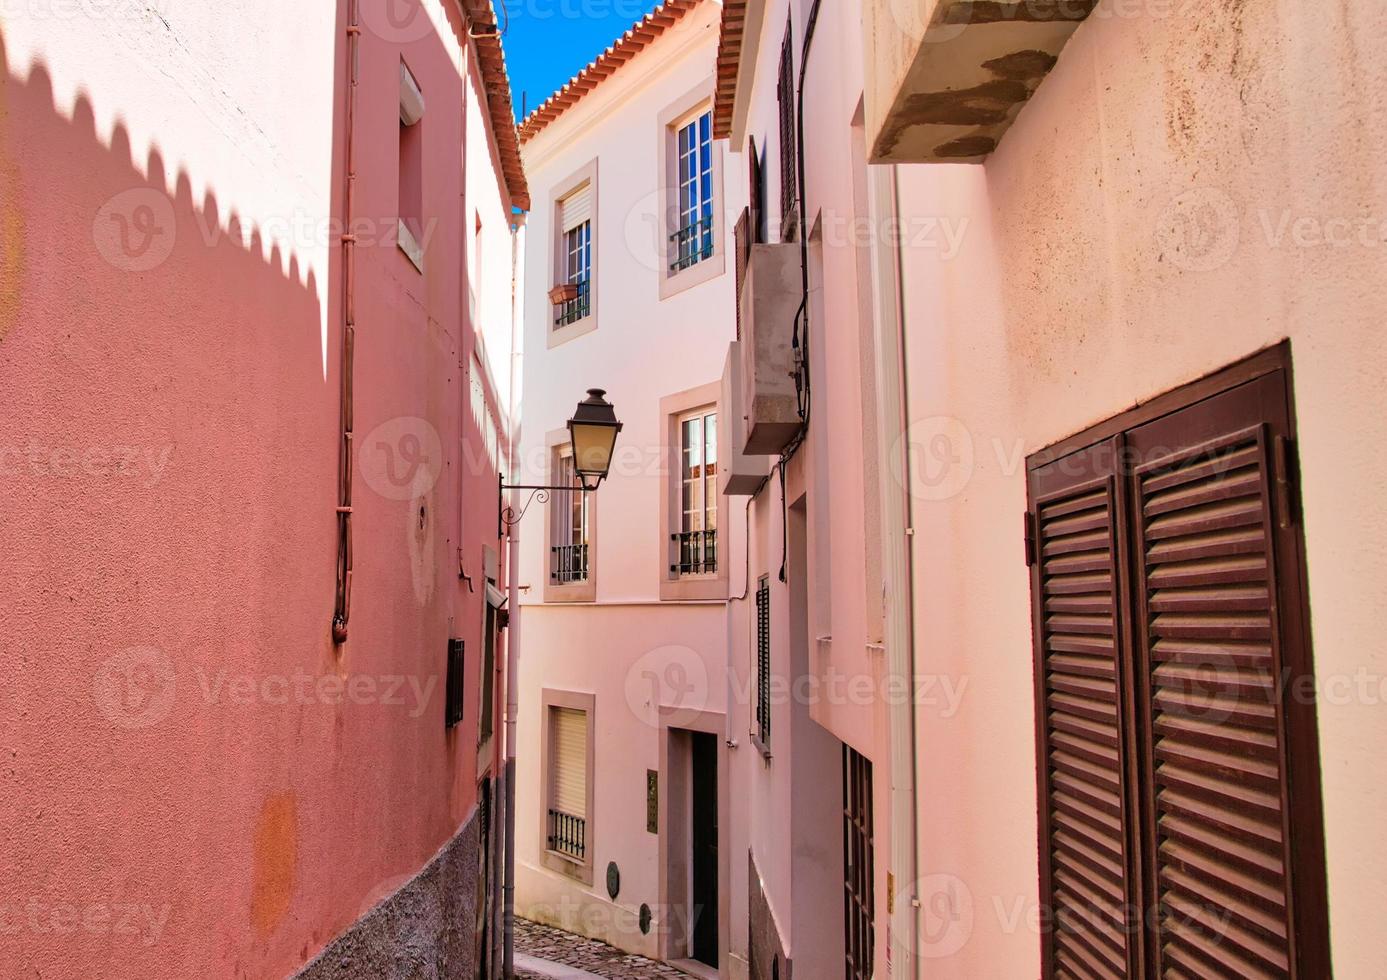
(763, 661)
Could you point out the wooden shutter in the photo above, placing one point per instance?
(576, 208)
(785, 97)
(1085, 786)
(1220, 645)
(569, 730)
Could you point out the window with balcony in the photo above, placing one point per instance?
(692, 241)
(572, 285)
(568, 550)
(568, 783)
(576, 300)
(696, 541)
(690, 249)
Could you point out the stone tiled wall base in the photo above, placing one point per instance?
(424, 931)
(768, 959)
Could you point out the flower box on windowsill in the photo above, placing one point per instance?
(563, 293)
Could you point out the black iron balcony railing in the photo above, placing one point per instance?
(692, 244)
(697, 553)
(568, 834)
(573, 310)
(569, 563)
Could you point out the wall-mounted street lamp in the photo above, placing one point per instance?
(592, 434)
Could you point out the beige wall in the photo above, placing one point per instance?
(1157, 212)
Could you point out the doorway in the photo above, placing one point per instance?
(703, 860)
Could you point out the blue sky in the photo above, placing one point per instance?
(550, 41)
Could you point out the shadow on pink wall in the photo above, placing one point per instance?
(167, 456)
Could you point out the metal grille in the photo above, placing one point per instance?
(691, 244)
(859, 935)
(569, 564)
(573, 310)
(698, 553)
(568, 834)
(453, 710)
(763, 660)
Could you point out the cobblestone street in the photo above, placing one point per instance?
(555, 946)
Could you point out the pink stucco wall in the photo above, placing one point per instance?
(1181, 192)
(196, 782)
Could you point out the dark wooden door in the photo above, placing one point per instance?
(704, 786)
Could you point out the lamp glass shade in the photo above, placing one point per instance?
(593, 430)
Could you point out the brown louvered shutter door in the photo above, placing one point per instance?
(1086, 799)
(1220, 642)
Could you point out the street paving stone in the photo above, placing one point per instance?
(557, 946)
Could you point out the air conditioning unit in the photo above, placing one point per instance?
(771, 295)
(740, 475)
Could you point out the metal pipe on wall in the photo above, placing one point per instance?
(897, 571)
(346, 450)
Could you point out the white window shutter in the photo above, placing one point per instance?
(569, 728)
(576, 208)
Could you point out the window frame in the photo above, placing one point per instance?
(557, 444)
(707, 484)
(691, 107)
(694, 191)
(703, 400)
(570, 518)
(565, 864)
(557, 334)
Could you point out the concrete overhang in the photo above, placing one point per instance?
(947, 78)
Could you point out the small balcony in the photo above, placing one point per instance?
(696, 553)
(568, 835)
(568, 564)
(769, 300)
(739, 475)
(691, 244)
(945, 79)
(576, 306)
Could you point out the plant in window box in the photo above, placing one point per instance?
(565, 292)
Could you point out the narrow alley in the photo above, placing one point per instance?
(715, 489)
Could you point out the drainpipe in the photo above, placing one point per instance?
(898, 568)
(513, 628)
(346, 455)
